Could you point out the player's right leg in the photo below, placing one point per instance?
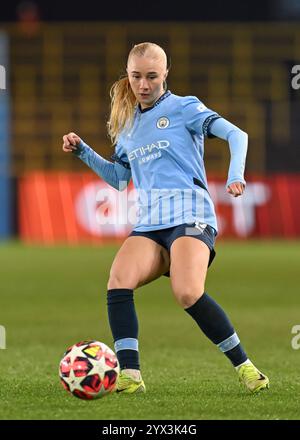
(138, 261)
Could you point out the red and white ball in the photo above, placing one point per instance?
(89, 370)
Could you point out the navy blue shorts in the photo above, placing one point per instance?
(165, 237)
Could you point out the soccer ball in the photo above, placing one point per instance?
(89, 370)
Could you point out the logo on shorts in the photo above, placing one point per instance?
(163, 122)
(200, 226)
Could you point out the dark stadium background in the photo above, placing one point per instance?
(146, 10)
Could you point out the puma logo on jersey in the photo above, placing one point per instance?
(201, 107)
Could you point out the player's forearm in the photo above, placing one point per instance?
(238, 144)
(113, 173)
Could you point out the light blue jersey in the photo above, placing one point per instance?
(165, 149)
(163, 153)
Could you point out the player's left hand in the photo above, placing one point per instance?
(236, 189)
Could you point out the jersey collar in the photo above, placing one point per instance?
(162, 98)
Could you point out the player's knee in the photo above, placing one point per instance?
(121, 281)
(187, 295)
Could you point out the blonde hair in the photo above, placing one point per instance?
(123, 101)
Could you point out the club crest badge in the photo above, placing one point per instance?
(163, 122)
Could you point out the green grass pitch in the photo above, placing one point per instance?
(56, 296)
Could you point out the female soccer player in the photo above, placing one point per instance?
(158, 138)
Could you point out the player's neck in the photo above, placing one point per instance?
(160, 98)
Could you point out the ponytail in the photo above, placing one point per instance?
(123, 102)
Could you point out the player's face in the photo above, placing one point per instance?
(146, 77)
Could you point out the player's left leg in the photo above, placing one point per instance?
(189, 260)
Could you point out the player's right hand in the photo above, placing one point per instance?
(70, 142)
